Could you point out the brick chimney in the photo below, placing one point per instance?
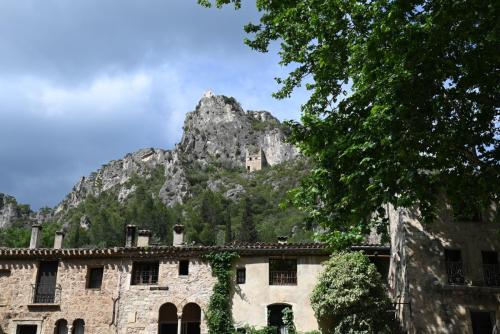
(143, 237)
(130, 235)
(59, 239)
(178, 235)
(36, 235)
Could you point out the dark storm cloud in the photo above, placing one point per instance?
(72, 40)
(86, 81)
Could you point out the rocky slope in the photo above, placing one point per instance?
(217, 130)
(8, 210)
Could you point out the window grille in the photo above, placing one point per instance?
(282, 271)
(241, 274)
(145, 273)
(491, 269)
(454, 267)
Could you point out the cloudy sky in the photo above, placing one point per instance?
(83, 82)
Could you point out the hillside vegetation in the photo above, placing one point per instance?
(226, 204)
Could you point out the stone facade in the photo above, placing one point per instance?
(251, 299)
(434, 295)
(72, 301)
(163, 289)
(255, 161)
(174, 295)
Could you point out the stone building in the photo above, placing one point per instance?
(255, 160)
(141, 288)
(444, 277)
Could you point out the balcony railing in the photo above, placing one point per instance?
(282, 277)
(491, 274)
(45, 293)
(455, 271)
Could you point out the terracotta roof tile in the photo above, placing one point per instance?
(172, 251)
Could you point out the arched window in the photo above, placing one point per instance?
(78, 326)
(275, 317)
(167, 319)
(191, 319)
(61, 327)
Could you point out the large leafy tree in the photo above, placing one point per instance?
(350, 296)
(404, 105)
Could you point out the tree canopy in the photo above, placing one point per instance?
(350, 296)
(404, 105)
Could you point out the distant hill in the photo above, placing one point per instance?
(202, 183)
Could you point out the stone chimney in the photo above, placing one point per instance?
(130, 235)
(178, 235)
(143, 237)
(36, 235)
(282, 239)
(59, 239)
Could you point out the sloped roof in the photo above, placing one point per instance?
(244, 249)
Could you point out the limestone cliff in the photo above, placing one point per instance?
(13, 212)
(8, 210)
(217, 130)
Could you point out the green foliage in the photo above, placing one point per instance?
(15, 236)
(18, 235)
(247, 233)
(264, 191)
(403, 107)
(264, 330)
(219, 316)
(288, 320)
(206, 214)
(108, 217)
(350, 296)
(210, 218)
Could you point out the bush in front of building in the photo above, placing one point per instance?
(350, 296)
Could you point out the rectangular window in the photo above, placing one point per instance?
(482, 322)
(94, 280)
(145, 273)
(282, 271)
(454, 266)
(491, 269)
(183, 267)
(465, 213)
(26, 329)
(241, 275)
(45, 289)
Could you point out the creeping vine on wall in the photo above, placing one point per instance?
(219, 314)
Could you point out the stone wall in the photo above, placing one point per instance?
(76, 301)
(255, 161)
(418, 277)
(139, 305)
(123, 308)
(250, 300)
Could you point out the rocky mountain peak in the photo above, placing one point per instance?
(220, 129)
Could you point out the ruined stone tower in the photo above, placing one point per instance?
(255, 160)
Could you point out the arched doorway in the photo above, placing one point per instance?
(78, 326)
(191, 319)
(61, 327)
(275, 317)
(167, 319)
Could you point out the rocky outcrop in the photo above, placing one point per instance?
(217, 130)
(115, 174)
(220, 129)
(8, 210)
(11, 211)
